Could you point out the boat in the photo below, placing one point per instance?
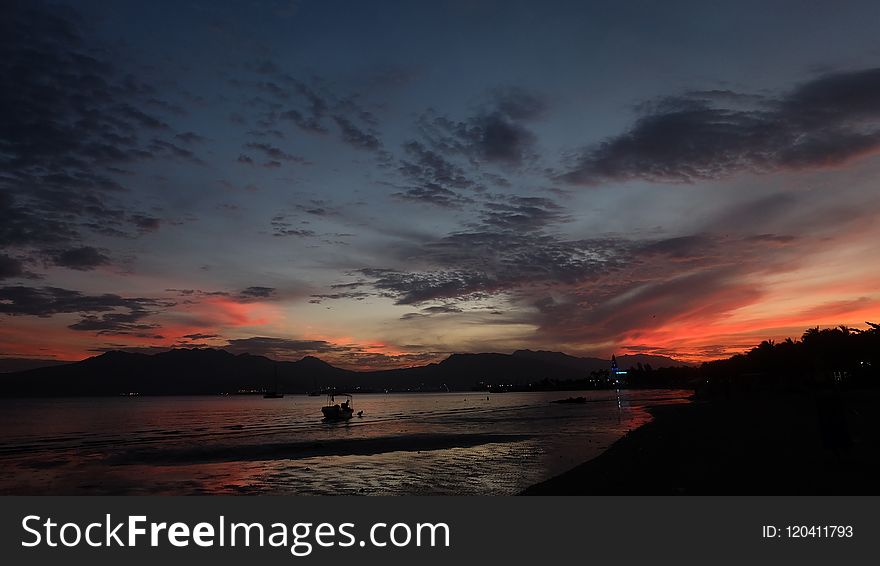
(275, 394)
(316, 391)
(334, 411)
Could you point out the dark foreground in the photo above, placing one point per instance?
(781, 444)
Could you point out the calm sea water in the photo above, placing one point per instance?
(449, 443)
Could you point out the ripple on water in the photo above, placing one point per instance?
(406, 444)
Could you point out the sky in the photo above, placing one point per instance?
(381, 184)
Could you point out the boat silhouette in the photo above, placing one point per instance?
(275, 394)
(334, 411)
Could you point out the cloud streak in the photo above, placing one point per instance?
(825, 122)
(99, 313)
(70, 120)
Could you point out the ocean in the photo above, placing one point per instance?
(466, 443)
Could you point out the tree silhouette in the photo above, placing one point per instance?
(839, 356)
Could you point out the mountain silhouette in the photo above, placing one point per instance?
(625, 361)
(212, 371)
(564, 360)
(9, 365)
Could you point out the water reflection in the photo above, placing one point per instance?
(450, 443)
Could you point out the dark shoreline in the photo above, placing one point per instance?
(780, 444)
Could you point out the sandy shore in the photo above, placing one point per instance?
(309, 449)
(781, 444)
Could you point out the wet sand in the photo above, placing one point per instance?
(792, 444)
(311, 449)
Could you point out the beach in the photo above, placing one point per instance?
(794, 443)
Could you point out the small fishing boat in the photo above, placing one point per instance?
(334, 411)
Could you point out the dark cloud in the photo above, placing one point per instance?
(498, 138)
(344, 355)
(145, 223)
(199, 336)
(267, 133)
(417, 288)
(273, 152)
(257, 292)
(281, 227)
(83, 258)
(248, 294)
(522, 213)
(317, 208)
(632, 303)
(586, 291)
(313, 107)
(431, 167)
(355, 136)
(356, 295)
(470, 265)
(710, 135)
(161, 148)
(435, 179)
(413, 316)
(117, 323)
(149, 350)
(23, 226)
(695, 279)
(100, 313)
(70, 112)
(317, 106)
(441, 309)
(431, 193)
(198, 293)
(497, 134)
(281, 347)
(690, 249)
(507, 251)
(312, 123)
(70, 117)
(10, 267)
(359, 360)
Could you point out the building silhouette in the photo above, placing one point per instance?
(618, 376)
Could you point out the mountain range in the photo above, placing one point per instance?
(9, 365)
(212, 371)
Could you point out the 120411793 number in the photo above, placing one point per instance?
(819, 531)
(808, 531)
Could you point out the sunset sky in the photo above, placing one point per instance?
(381, 184)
